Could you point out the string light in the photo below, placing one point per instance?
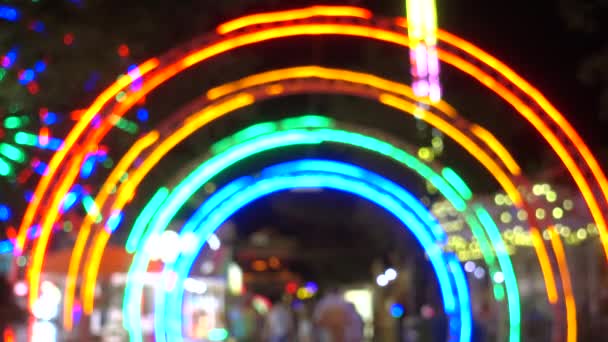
(422, 32)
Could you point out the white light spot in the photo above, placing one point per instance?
(381, 280)
(390, 274)
(499, 277)
(195, 286)
(214, 242)
(479, 273)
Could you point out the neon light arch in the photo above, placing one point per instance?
(315, 133)
(27, 217)
(175, 125)
(459, 331)
(476, 138)
(241, 100)
(379, 34)
(569, 147)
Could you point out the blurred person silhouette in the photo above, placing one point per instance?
(279, 322)
(337, 320)
(244, 321)
(330, 317)
(433, 324)
(355, 324)
(480, 333)
(304, 325)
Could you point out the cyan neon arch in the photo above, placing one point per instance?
(338, 176)
(311, 134)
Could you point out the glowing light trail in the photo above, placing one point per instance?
(564, 150)
(339, 176)
(422, 32)
(254, 144)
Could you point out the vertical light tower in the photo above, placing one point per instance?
(422, 30)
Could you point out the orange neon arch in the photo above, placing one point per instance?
(369, 86)
(188, 61)
(589, 170)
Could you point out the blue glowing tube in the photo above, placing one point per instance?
(354, 171)
(464, 298)
(338, 176)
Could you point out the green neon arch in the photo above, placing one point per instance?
(311, 130)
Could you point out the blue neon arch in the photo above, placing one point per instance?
(334, 175)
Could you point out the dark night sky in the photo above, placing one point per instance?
(532, 38)
(529, 36)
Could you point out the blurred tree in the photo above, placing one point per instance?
(590, 18)
(58, 55)
(87, 44)
(80, 40)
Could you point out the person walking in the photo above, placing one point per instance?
(279, 323)
(337, 320)
(355, 324)
(304, 326)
